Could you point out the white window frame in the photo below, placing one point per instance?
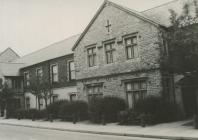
(52, 74)
(26, 81)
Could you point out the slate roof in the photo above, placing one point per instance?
(52, 51)
(10, 69)
(162, 14)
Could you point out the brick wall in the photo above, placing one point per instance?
(63, 71)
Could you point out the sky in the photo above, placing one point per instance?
(29, 25)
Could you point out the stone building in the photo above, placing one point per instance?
(119, 53)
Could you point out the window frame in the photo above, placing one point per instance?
(132, 46)
(54, 98)
(94, 94)
(91, 56)
(26, 80)
(41, 76)
(142, 92)
(70, 71)
(52, 73)
(27, 103)
(109, 51)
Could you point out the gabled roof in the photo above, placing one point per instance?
(8, 55)
(162, 14)
(10, 69)
(125, 9)
(52, 51)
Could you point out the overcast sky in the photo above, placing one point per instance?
(29, 25)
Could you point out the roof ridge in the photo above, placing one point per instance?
(121, 7)
(48, 46)
(159, 6)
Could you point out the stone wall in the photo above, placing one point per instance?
(114, 85)
(122, 24)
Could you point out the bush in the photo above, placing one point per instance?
(69, 110)
(54, 108)
(158, 108)
(28, 114)
(152, 110)
(107, 107)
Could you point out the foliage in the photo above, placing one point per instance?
(54, 108)
(182, 42)
(77, 108)
(107, 107)
(6, 98)
(29, 114)
(160, 109)
(153, 109)
(40, 89)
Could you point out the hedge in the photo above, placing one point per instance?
(77, 109)
(105, 109)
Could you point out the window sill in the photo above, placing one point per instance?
(133, 59)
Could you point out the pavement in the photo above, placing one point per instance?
(182, 130)
(8, 132)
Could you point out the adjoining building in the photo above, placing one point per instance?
(55, 65)
(118, 54)
(9, 75)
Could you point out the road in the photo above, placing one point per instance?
(25, 133)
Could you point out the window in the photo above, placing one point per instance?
(17, 103)
(16, 84)
(27, 78)
(39, 74)
(1, 83)
(94, 91)
(72, 73)
(73, 97)
(54, 71)
(165, 44)
(54, 98)
(40, 103)
(167, 87)
(131, 47)
(135, 91)
(109, 49)
(91, 52)
(27, 101)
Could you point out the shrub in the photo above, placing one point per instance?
(158, 108)
(28, 114)
(108, 107)
(77, 108)
(54, 108)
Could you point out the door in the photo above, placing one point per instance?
(189, 101)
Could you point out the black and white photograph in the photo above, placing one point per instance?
(98, 69)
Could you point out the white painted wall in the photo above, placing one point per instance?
(62, 93)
